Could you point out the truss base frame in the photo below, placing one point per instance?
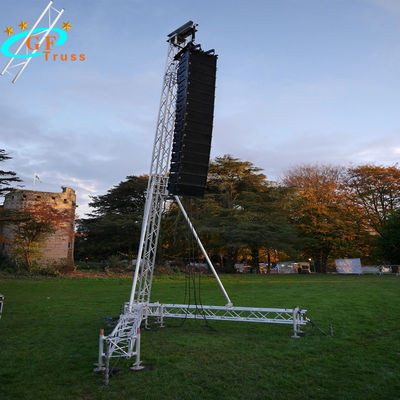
(124, 340)
(289, 316)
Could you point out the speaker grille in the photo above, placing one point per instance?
(193, 123)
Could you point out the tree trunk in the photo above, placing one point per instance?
(255, 259)
(324, 260)
(320, 261)
(269, 262)
(28, 257)
(317, 263)
(231, 256)
(221, 262)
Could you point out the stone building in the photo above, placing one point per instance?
(58, 248)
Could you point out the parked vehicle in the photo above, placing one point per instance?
(303, 268)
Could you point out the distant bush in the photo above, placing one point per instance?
(47, 271)
(7, 264)
(115, 263)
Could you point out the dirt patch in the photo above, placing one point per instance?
(81, 274)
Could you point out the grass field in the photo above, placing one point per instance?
(49, 338)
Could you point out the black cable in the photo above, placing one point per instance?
(190, 274)
(199, 279)
(314, 325)
(193, 259)
(188, 291)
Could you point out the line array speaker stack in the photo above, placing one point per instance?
(193, 122)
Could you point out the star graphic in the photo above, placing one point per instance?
(66, 26)
(9, 31)
(23, 25)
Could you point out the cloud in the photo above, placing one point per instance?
(90, 162)
(278, 155)
(91, 124)
(101, 129)
(329, 121)
(387, 5)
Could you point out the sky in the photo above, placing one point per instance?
(298, 81)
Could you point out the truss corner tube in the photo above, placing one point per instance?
(141, 243)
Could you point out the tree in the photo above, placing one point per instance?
(7, 178)
(113, 227)
(376, 190)
(265, 222)
(388, 243)
(35, 223)
(228, 179)
(321, 208)
(240, 212)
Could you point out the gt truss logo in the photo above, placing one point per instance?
(32, 40)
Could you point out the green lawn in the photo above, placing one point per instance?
(49, 340)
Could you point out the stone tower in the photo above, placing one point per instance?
(58, 248)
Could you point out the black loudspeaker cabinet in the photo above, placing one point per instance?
(193, 123)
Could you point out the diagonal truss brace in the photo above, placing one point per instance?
(203, 250)
(46, 32)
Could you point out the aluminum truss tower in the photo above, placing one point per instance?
(124, 340)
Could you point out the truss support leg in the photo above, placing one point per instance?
(100, 365)
(107, 368)
(296, 329)
(136, 366)
(229, 304)
(161, 318)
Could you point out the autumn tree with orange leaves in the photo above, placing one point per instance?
(36, 223)
(375, 189)
(331, 223)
